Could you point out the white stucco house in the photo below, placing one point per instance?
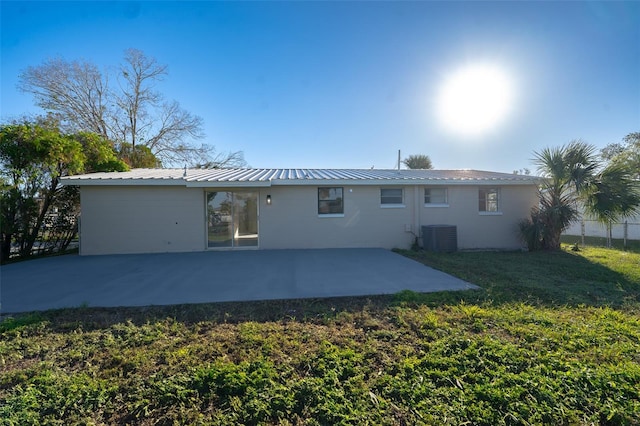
(178, 210)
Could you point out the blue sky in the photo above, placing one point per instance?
(348, 84)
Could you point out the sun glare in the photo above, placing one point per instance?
(475, 100)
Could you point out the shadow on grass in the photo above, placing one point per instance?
(538, 278)
(89, 318)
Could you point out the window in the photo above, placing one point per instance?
(489, 200)
(391, 196)
(435, 196)
(330, 201)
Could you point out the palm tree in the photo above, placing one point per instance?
(571, 178)
(612, 195)
(567, 172)
(419, 161)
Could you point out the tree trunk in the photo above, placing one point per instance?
(5, 247)
(35, 231)
(551, 240)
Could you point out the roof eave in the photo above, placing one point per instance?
(122, 182)
(227, 184)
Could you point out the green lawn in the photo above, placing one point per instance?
(593, 276)
(553, 338)
(618, 243)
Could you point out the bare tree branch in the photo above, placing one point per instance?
(224, 160)
(77, 91)
(130, 111)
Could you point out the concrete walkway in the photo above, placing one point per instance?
(213, 276)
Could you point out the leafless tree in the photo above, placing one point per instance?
(76, 92)
(125, 108)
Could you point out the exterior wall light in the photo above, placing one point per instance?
(269, 199)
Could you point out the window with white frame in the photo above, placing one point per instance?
(489, 200)
(391, 196)
(330, 200)
(435, 196)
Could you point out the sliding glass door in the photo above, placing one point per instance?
(245, 219)
(232, 219)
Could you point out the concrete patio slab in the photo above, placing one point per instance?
(212, 276)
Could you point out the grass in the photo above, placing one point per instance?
(593, 276)
(553, 338)
(618, 243)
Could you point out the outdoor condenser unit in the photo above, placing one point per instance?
(440, 238)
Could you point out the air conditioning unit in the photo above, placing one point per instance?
(440, 238)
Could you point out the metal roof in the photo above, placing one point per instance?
(269, 177)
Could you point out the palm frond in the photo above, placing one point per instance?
(613, 194)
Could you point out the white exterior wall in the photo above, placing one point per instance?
(141, 219)
(292, 220)
(151, 219)
(477, 230)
